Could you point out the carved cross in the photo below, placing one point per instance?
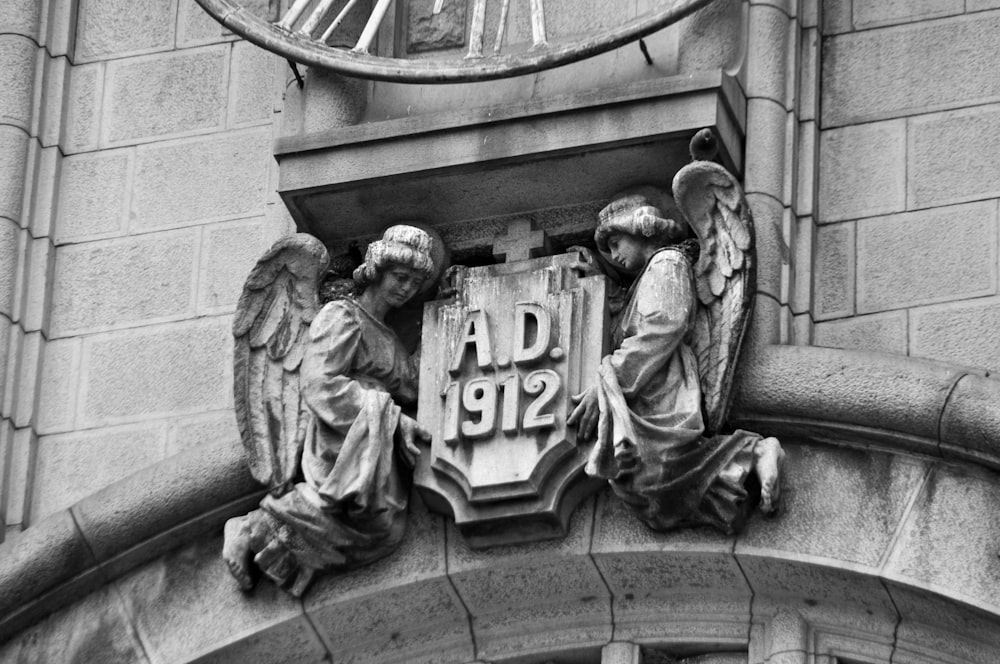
(522, 241)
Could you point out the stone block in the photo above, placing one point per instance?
(766, 59)
(162, 370)
(59, 26)
(947, 544)
(966, 333)
(875, 13)
(401, 608)
(198, 180)
(834, 271)
(5, 333)
(22, 479)
(902, 260)
(883, 332)
(772, 251)
(229, 253)
(941, 170)
(83, 115)
(43, 183)
(29, 363)
(34, 294)
(93, 195)
(980, 5)
(59, 382)
(116, 283)
(200, 431)
(74, 465)
(186, 606)
(808, 67)
(195, 27)
(17, 80)
(803, 247)
(709, 39)
(804, 202)
(13, 162)
(9, 259)
(251, 85)
(21, 17)
(50, 99)
(765, 149)
(109, 29)
(160, 96)
(93, 629)
(910, 69)
(862, 171)
(15, 338)
(328, 101)
(836, 17)
(970, 424)
(871, 490)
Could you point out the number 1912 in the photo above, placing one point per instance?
(484, 397)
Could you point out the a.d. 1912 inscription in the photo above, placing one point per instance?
(499, 364)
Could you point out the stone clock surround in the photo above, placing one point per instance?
(892, 470)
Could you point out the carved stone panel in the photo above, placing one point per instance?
(499, 364)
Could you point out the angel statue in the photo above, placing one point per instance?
(662, 395)
(319, 397)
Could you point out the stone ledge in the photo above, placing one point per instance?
(900, 404)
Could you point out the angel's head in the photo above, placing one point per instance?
(402, 257)
(639, 220)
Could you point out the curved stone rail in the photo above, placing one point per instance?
(907, 505)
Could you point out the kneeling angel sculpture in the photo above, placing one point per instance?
(318, 399)
(663, 393)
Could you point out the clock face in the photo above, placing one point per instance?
(446, 41)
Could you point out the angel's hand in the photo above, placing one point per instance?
(409, 432)
(586, 413)
(586, 264)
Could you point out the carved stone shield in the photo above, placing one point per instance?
(499, 364)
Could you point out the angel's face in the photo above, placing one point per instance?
(399, 283)
(629, 252)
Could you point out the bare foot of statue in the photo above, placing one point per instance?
(236, 550)
(768, 459)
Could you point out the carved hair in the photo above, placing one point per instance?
(645, 212)
(400, 245)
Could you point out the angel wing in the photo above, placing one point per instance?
(725, 276)
(279, 300)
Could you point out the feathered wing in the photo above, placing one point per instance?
(725, 274)
(279, 301)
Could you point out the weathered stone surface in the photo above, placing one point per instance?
(935, 629)
(196, 27)
(251, 85)
(230, 251)
(328, 101)
(185, 605)
(8, 265)
(28, 362)
(871, 492)
(93, 196)
(950, 157)
(772, 251)
(429, 31)
(903, 259)
(58, 389)
(966, 333)
(32, 302)
(136, 374)
(893, 72)
(21, 17)
(71, 466)
(17, 79)
(837, 16)
(804, 202)
(862, 171)
(51, 83)
(83, 114)
(970, 424)
(767, 57)
(94, 629)
(5, 332)
(765, 150)
(42, 188)
(979, 5)
(834, 271)
(885, 332)
(377, 612)
(949, 540)
(202, 431)
(13, 160)
(709, 37)
(113, 283)
(174, 94)
(874, 13)
(192, 181)
(113, 28)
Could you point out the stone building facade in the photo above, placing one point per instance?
(148, 157)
